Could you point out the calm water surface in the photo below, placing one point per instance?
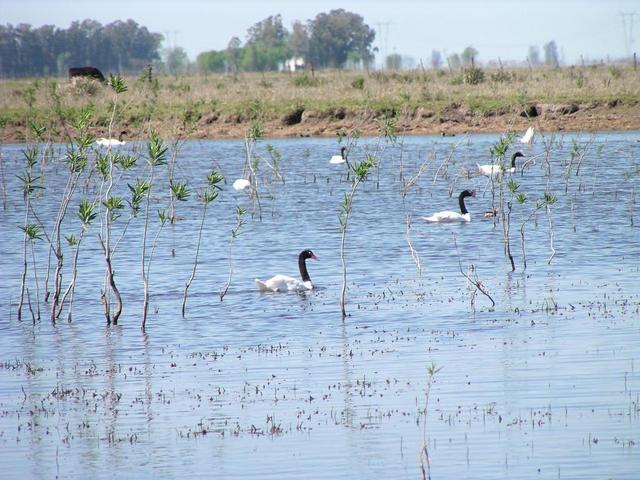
(544, 385)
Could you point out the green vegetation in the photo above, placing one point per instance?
(204, 105)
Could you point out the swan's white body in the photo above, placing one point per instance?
(528, 136)
(339, 159)
(453, 217)
(283, 283)
(493, 170)
(240, 184)
(109, 142)
(448, 217)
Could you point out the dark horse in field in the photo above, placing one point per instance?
(87, 72)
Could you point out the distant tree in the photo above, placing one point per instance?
(336, 35)
(454, 61)
(267, 45)
(534, 56)
(234, 54)
(212, 61)
(299, 40)
(176, 60)
(551, 54)
(436, 59)
(393, 61)
(468, 56)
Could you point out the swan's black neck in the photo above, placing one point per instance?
(302, 265)
(343, 152)
(463, 207)
(513, 160)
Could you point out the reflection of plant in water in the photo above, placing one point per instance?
(425, 473)
(472, 278)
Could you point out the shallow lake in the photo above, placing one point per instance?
(543, 385)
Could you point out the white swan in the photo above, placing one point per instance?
(496, 169)
(528, 136)
(111, 142)
(240, 184)
(284, 283)
(451, 217)
(338, 159)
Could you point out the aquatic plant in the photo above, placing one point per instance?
(28, 187)
(206, 197)
(157, 151)
(86, 214)
(252, 161)
(76, 160)
(113, 205)
(360, 171)
(235, 232)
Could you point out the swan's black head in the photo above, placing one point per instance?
(467, 193)
(307, 254)
(517, 154)
(343, 152)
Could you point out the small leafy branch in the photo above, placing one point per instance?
(498, 152)
(33, 232)
(360, 171)
(252, 161)
(86, 214)
(29, 185)
(235, 232)
(206, 197)
(547, 200)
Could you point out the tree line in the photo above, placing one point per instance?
(331, 40)
(120, 46)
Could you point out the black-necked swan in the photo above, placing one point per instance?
(284, 283)
(240, 184)
(496, 169)
(338, 159)
(111, 142)
(449, 216)
(528, 136)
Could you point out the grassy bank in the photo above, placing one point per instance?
(214, 106)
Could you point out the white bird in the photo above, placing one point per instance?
(528, 136)
(111, 142)
(240, 184)
(284, 283)
(496, 169)
(451, 217)
(338, 159)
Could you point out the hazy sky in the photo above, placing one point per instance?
(496, 28)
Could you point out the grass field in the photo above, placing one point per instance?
(422, 101)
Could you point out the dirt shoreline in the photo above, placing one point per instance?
(454, 120)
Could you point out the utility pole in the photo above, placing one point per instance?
(628, 32)
(385, 39)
